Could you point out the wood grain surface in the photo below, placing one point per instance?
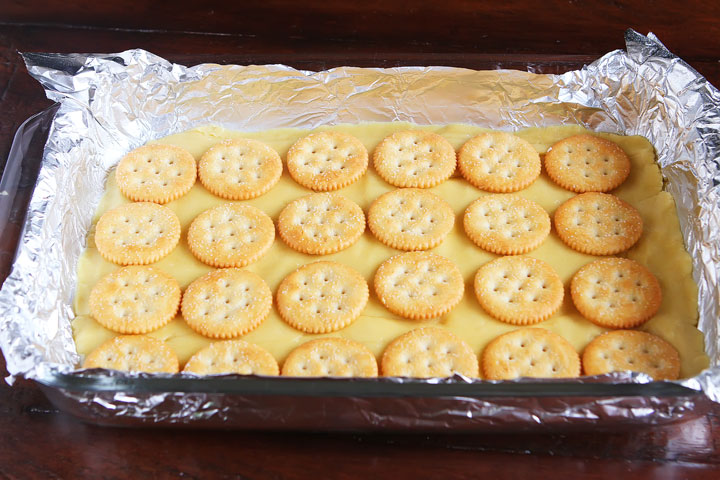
(38, 441)
(551, 26)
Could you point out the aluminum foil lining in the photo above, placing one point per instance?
(113, 103)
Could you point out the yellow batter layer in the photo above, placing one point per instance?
(660, 249)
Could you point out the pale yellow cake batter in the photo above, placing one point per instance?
(660, 249)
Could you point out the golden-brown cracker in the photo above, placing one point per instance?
(156, 173)
(330, 357)
(135, 299)
(616, 293)
(428, 352)
(137, 233)
(322, 297)
(230, 235)
(239, 169)
(506, 224)
(226, 303)
(499, 162)
(232, 356)
(529, 352)
(414, 158)
(321, 223)
(598, 224)
(419, 285)
(410, 219)
(519, 290)
(134, 353)
(586, 163)
(631, 350)
(327, 161)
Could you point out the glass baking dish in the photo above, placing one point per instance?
(272, 403)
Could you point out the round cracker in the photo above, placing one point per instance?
(321, 223)
(327, 161)
(230, 235)
(519, 290)
(419, 285)
(137, 233)
(586, 163)
(506, 224)
(239, 169)
(616, 293)
(156, 173)
(135, 299)
(414, 158)
(322, 297)
(598, 224)
(226, 303)
(428, 352)
(232, 356)
(410, 219)
(529, 352)
(631, 350)
(330, 357)
(499, 162)
(134, 353)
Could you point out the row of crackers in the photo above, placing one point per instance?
(494, 161)
(424, 352)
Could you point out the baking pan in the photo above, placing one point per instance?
(645, 90)
(272, 403)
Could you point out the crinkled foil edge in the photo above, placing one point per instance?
(113, 103)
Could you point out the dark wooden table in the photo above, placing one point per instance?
(38, 441)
